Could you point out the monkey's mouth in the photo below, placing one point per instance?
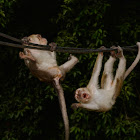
(82, 97)
(85, 95)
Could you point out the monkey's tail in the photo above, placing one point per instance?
(134, 63)
(63, 108)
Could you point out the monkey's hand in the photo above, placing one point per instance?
(74, 106)
(25, 40)
(102, 48)
(53, 46)
(28, 56)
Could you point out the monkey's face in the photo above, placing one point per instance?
(82, 95)
(37, 39)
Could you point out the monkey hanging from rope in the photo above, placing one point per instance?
(43, 65)
(102, 99)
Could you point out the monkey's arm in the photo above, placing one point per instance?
(67, 66)
(76, 105)
(92, 106)
(96, 72)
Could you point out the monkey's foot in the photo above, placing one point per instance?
(53, 46)
(23, 56)
(73, 57)
(70, 57)
(120, 52)
(102, 48)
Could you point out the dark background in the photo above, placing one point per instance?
(18, 86)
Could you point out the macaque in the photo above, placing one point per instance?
(42, 63)
(102, 99)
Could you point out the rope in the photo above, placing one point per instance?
(59, 49)
(10, 37)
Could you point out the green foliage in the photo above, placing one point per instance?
(29, 108)
(83, 24)
(19, 115)
(129, 30)
(5, 11)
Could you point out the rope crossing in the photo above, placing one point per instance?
(59, 49)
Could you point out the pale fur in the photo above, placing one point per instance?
(43, 63)
(102, 99)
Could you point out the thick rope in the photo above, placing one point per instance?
(59, 49)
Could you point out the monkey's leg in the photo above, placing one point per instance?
(62, 103)
(118, 81)
(54, 72)
(107, 77)
(96, 72)
(67, 66)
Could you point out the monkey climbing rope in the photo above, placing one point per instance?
(59, 49)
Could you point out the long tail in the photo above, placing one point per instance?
(134, 63)
(63, 108)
